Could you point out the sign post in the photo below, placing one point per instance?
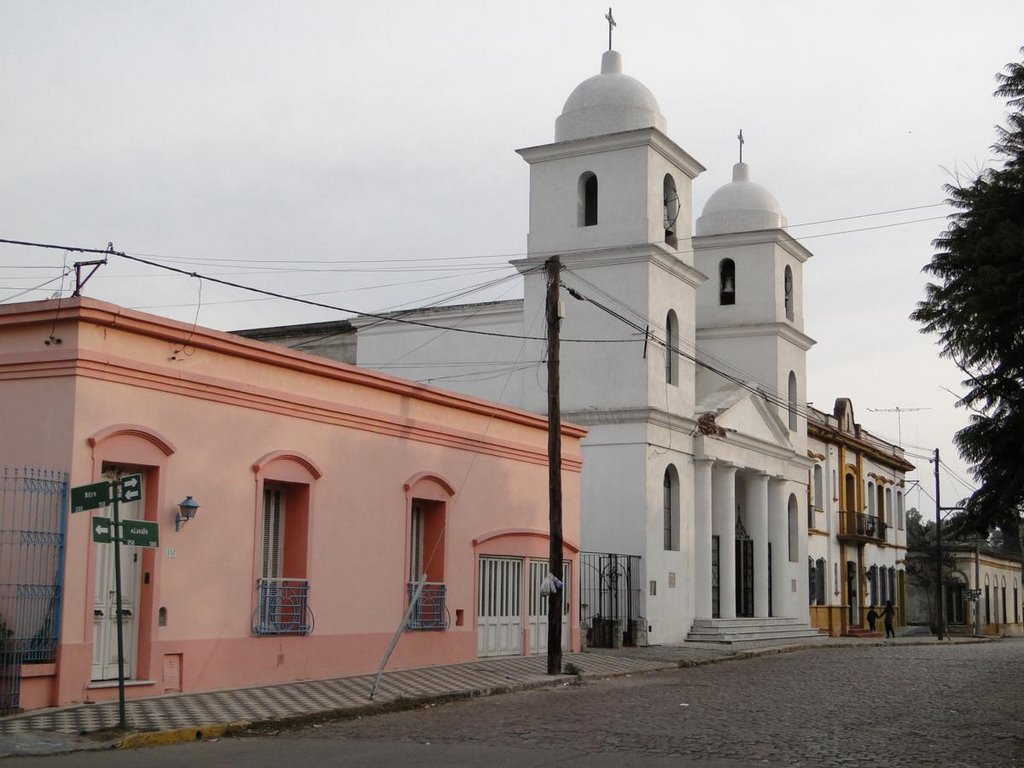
(137, 533)
(122, 719)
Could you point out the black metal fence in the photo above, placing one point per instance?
(33, 520)
(611, 598)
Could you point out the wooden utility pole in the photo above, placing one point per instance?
(939, 629)
(554, 268)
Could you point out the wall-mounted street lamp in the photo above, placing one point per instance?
(186, 511)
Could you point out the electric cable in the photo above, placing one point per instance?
(275, 294)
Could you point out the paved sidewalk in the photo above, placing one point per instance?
(191, 716)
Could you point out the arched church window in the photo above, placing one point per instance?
(587, 200)
(727, 282)
(671, 207)
(670, 508)
(787, 288)
(792, 400)
(793, 523)
(671, 345)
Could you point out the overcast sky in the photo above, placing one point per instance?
(361, 154)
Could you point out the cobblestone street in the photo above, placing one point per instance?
(897, 706)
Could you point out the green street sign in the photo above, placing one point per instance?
(101, 529)
(140, 533)
(85, 497)
(130, 488)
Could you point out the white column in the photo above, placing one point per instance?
(724, 526)
(702, 538)
(756, 505)
(778, 535)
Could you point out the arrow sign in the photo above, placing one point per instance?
(94, 496)
(101, 527)
(131, 488)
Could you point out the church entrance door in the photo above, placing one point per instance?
(716, 606)
(744, 577)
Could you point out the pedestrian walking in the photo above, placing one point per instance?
(888, 613)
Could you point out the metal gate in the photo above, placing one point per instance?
(33, 520)
(611, 600)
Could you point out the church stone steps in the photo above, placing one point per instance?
(751, 630)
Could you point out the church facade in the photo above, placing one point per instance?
(683, 356)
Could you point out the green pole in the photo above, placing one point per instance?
(122, 722)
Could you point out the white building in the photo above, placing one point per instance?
(857, 533)
(684, 357)
(980, 592)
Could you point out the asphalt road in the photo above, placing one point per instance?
(893, 706)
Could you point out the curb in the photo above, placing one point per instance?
(180, 735)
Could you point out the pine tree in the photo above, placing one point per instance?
(976, 306)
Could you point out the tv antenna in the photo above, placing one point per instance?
(899, 411)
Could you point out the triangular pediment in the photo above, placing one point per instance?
(742, 412)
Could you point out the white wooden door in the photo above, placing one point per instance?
(104, 629)
(499, 617)
(538, 617)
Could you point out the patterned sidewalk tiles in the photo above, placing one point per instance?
(274, 702)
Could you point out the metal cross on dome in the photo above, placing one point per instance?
(740, 137)
(611, 23)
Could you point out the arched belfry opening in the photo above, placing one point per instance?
(671, 209)
(787, 291)
(726, 282)
(587, 200)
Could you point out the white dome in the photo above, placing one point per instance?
(740, 206)
(608, 103)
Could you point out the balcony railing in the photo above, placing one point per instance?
(283, 608)
(430, 611)
(861, 526)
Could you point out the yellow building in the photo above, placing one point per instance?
(856, 526)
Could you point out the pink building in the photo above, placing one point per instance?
(324, 490)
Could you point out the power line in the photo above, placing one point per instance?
(109, 251)
(867, 215)
(539, 254)
(37, 287)
(375, 260)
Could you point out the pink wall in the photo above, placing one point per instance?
(214, 416)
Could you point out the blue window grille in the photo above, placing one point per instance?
(430, 611)
(283, 608)
(33, 522)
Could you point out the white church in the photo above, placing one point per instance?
(683, 355)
